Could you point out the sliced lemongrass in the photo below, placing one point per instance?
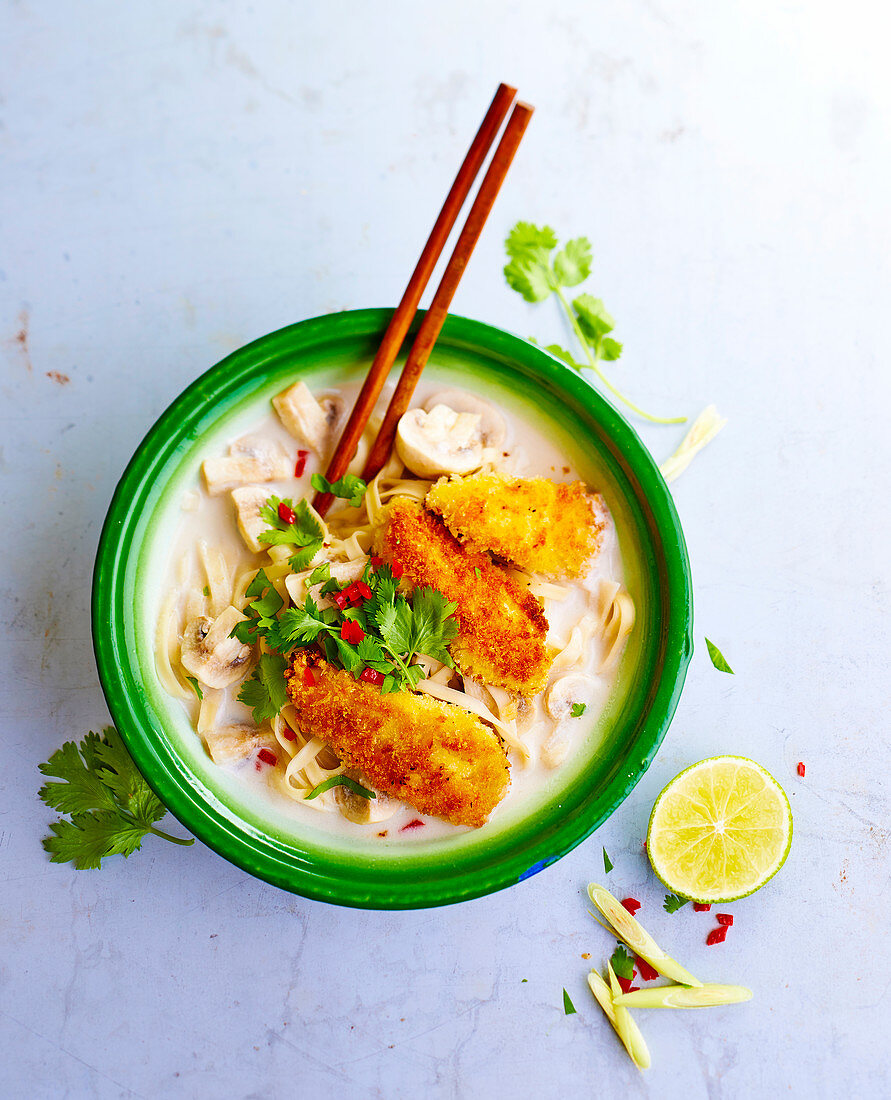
(637, 1052)
(705, 427)
(682, 996)
(627, 929)
(628, 1030)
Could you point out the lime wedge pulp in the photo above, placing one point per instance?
(719, 830)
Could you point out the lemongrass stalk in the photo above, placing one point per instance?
(637, 1052)
(627, 929)
(628, 1030)
(705, 427)
(681, 996)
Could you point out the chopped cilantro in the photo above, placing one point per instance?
(265, 691)
(206, 590)
(195, 686)
(622, 962)
(568, 1007)
(478, 571)
(349, 487)
(578, 709)
(607, 862)
(673, 902)
(304, 531)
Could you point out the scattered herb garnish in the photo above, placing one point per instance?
(349, 487)
(340, 781)
(377, 628)
(536, 272)
(568, 1007)
(265, 691)
(673, 902)
(196, 687)
(718, 658)
(607, 862)
(478, 571)
(292, 524)
(261, 613)
(622, 963)
(577, 709)
(320, 573)
(206, 590)
(111, 805)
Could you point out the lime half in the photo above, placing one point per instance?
(720, 830)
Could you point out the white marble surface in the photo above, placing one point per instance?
(178, 178)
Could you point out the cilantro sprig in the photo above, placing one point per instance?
(349, 487)
(394, 630)
(673, 902)
(300, 529)
(111, 807)
(536, 271)
(265, 692)
(622, 963)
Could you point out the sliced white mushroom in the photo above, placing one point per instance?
(441, 441)
(313, 422)
(228, 744)
(248, 461)
(355, 807)
(493, 427)
(575, 687)
(248, 501)
(209, 653)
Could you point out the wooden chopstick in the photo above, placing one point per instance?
(405, 311)
(439, 307)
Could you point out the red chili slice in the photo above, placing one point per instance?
(631, 904)
(341, 599)
(701, 907)
(717, 935)
(352, 632)
(363, 590)
(633, 989)
(376, 562)
(289, 734)
(371, 676)
(300, 465)
(309, 677)
(801, 769)
(625, 983)
(647, 973)
(286, 514)
(726, 919)
(267, 757)
(398, 569)
(415, 824)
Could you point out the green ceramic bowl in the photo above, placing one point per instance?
(258, 833)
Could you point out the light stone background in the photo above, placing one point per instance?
(181, 177)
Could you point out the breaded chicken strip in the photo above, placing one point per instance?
(438, 758)
(533, 522)
(501, 626)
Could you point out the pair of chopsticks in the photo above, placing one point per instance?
(439, 307)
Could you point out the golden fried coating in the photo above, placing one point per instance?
(535, 523)
(437, 757)
(501, 626)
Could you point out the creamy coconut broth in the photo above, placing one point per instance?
(210, 566)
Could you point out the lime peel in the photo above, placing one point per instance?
(630, 932)
(682, 996)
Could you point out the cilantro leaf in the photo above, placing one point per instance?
(529, 271)
(607, 862)
(563, 355)
(573, 264)
(87, 839)
(433, 624)
(349, 487)
(111, 805)
(529, 242)
(196, 687)
(321, 573)
(265, 691)
(673, 902)
(577, 710)
(304, 531)
(717, 658)
(340, 781)
(622, 962)
(610, 349)
(593, 317)
(261, 612)
(569, 1008)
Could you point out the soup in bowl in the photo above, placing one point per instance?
(439, 687)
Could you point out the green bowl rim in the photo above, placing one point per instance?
(171, 780)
